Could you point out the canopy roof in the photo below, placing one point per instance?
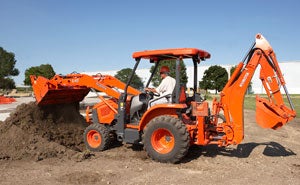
(165, 54)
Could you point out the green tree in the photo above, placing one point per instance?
(44, 70)
(7, 69)
(232, 69)
(124, 74)
(172, 65)
(7, 83)
(215, 77)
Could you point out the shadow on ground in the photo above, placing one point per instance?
(271, 149)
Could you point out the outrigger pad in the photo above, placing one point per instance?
(270, 115)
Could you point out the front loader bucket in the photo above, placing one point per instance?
(49, 92)
(270, 115)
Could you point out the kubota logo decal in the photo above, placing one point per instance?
(101, 86)
(75, 80)
(244, 79)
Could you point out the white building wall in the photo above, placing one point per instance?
(289, 69)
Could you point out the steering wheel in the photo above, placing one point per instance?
(151, 94)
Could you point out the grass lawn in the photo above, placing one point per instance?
(249, 101)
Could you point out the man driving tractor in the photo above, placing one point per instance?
(166, 87)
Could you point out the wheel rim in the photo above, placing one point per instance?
(93, 138)
(162, 141)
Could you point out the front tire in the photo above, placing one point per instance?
(96, 137)
(166, 139)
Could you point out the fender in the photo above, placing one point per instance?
(158, 110)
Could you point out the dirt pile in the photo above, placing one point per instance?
(32, 132)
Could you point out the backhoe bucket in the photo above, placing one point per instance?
(49, 92)
(270, 115)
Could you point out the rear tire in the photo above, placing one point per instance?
(166, 139)
(96, 137)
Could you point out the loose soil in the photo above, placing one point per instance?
(38, 133)
(45, 146)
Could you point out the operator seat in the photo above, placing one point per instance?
(182, 95)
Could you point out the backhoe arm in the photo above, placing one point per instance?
(271, 112)
(103, 83)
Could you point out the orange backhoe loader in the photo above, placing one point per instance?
(167, 130)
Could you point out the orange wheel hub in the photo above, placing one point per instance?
(93, 138)
(162, 141)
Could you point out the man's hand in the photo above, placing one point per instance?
(150, 89)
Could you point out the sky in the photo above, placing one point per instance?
(101, 35)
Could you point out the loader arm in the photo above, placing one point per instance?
(73, 88)
(271, 112)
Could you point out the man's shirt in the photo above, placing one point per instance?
(166, 86)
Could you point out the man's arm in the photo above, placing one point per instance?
(151, 90)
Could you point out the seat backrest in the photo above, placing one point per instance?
(182, 95)
(174, 95)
